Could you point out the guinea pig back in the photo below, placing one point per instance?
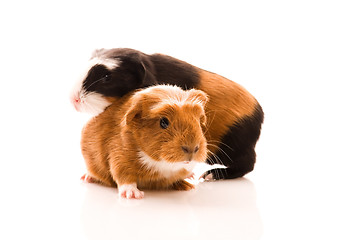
(151, 139)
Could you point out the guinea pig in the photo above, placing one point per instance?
(235, 116)
(151, 139)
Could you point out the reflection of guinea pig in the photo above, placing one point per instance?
(234, 115)
(151, 139)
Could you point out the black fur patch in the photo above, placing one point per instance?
(130, 74)
(95, 78)
(170, 70)
(237, 147)
(106, 82)
(138, 70)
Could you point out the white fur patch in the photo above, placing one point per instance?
(89, 102)
(130, 191)
(109, 63)
(93, 103)
(164, 167)
(171, 96)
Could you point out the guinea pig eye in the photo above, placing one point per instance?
(107, 78)
(164, 122)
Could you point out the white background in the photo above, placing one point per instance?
(302, 61)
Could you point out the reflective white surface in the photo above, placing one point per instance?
(174, 215)
(301, 61)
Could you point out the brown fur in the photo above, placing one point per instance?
(111, 141)
(228, 103)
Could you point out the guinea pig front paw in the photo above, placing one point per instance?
(88, 179)
(182, 186)
(207, 177)
(130, 191)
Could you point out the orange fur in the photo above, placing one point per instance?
(228, 103)
(112, 141)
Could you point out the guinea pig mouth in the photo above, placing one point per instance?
(188, 161)
(76, 101)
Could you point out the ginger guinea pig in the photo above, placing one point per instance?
(235, 116)
(151, 139)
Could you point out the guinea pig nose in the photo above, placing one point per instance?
(75, 99)
(189, 150)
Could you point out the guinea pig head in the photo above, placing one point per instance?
(166, 123)
(110, 73)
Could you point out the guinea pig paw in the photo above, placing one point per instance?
(88, 179)
(207, 177)
(130, 191)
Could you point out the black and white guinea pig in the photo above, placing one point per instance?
(234, 115)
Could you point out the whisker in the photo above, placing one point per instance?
(210, 123)
(221, 143)
(210, 158)
(100, 79)
(210, 144)
(212, 161)
(216, 160)
(220, 149)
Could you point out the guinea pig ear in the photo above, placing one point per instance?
(140, 65)
(198, 96)
(142, 102)
(148, 78)
(134, 114)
